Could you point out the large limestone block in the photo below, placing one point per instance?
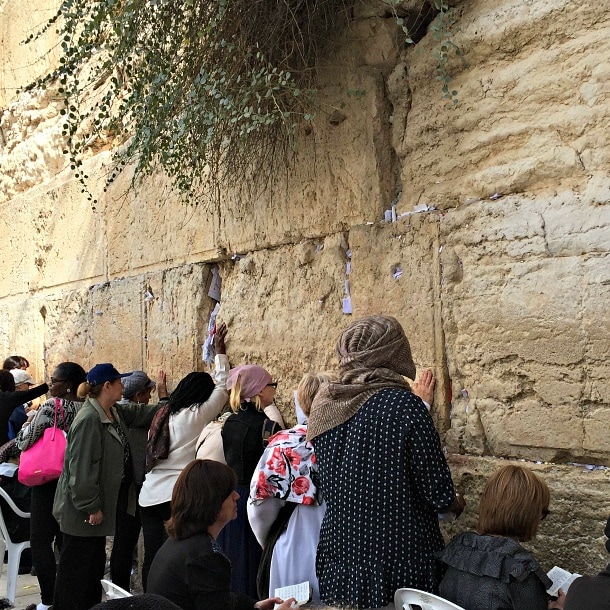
(32, 143)
(151, 321)
(395, 271)
(149, 228)
(53, 238)
(342, 176)
(22, 64)
(283, 310)
(68, 320)
(526, 326)
(22, 333)
(117, 323)
(533, 107)
(175, 309)
(573, 535)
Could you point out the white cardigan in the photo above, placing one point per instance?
(184, 429)
(210, 445)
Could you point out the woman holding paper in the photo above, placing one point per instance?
(190, 569)
(489, 569)
(195, 402)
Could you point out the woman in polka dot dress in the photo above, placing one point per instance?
(382, 471)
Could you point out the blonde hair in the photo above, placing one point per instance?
(513, 503)
(85, 389)
(235, 397)
(308, 388)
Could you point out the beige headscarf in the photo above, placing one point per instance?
(374, 353)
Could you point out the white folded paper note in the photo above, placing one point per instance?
(301, 592)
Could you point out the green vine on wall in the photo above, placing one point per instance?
(443, 30)
(210, 92)
(206, 90)
(440, 17)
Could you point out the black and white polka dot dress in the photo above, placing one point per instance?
(384, 477)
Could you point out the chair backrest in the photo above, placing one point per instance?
(408, 599)
(3, 529)
(114, 591)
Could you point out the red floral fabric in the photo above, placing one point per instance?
(287, 469)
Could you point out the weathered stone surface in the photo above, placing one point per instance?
(533, 106)
(504, 286)
(22, 64)
(32, 143)
(53, 238)
(283, 309)
(525, 317)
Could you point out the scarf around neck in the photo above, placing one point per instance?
(374, 353)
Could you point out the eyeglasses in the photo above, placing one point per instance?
(54, 381)
(545, 513)
(273, 385)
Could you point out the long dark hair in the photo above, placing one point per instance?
(197, 498)
(195, 388)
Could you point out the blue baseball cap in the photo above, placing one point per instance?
(101, 373)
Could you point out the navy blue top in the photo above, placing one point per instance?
(384, 477)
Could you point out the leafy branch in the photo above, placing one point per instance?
(442, 30)
(209, 91)
(206, 90)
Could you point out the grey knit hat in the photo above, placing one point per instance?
(138, 381)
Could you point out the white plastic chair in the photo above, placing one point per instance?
(407, 599)
(14, 548)
(114, 591)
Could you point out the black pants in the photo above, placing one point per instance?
(44, 531)
(80, 570)
(153, 528)
(126, 534)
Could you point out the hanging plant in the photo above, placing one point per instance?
(208, 91)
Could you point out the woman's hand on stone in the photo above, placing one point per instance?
(424, 386)
(219, 338)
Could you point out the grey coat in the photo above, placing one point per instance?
(93, 467)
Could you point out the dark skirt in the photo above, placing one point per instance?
(239, 544)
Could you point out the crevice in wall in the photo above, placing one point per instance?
(414, 20)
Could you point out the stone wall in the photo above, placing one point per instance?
(500, 275)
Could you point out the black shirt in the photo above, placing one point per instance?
(10, 400)
(590, 593)
(195, 575)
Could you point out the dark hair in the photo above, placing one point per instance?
(513, 503)
(72, 372)
(195, 388)
(7, 381)
(15, 362)
(198, 495)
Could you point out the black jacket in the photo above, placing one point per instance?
(492, 573)
(590, 592)
(195, 575)
(10, 400)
